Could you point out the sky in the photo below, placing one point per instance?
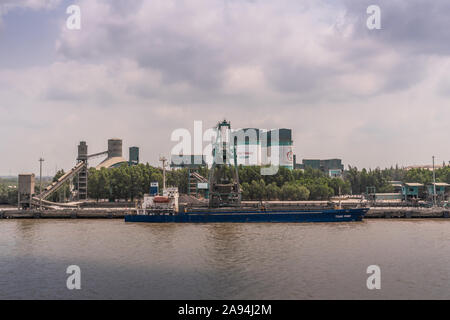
(138, 70)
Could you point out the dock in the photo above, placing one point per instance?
(407, 213)
(119, 213)
(64, 214)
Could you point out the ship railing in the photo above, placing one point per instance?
(155, 211)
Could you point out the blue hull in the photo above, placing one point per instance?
(338, 215)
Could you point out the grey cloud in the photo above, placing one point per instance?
(415, 26)
(184, 59)
(157, 69)
(174, 45)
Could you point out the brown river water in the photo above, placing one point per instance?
(121, 260)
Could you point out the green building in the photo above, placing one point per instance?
(442, 190)
(332, 167)
(411, 190)
(134, 156)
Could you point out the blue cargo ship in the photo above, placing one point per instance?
(239, 215)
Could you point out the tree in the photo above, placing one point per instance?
(320, 191)
(273, 191)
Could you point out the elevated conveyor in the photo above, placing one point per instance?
(194, 178)
(53, 205)
(198, 177)
(55, 186)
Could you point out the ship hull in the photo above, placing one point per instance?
(332, 215)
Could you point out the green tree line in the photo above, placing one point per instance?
(132, 182)
(129, 183)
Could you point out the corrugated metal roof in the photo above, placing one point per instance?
(441, 184)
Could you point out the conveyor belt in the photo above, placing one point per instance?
(60, 182)
(197, 176)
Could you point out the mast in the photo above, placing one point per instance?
(163, 160)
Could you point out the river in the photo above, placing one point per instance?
(224, 261)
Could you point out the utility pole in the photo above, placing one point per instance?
(40, 182)
(434, 185)
(163, 160)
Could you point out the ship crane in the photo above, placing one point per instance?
(224, 189)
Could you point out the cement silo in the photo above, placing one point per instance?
(247, 145)
(82, 151)
(277, 149)
(114, 148)
(114, 158)
(25, 190)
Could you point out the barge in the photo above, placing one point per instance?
(207, 215)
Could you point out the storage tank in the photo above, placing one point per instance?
(114, 148)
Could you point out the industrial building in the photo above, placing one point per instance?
(254, 147)
(439, 190)
(27, 198)
(188, 161)
(26, 190)
(114, 156)
(331, 167)
(412, 191)
(258, 147)
(133, 156)
(247, 143)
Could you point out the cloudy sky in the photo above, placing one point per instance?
(138, 70)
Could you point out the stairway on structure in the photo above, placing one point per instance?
(194, 178)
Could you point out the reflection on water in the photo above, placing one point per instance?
(224, 261)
